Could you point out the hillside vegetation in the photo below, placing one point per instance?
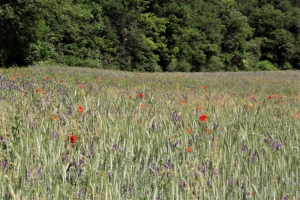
(152, 35)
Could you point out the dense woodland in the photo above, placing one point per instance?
(152, 35)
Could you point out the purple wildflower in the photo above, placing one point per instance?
(110, 175)
(182, 184)
(196, 174)
(244, 147)
(39, 171)
(115, 147)
(254, 155)
(80, 193)
(216, 171)
(266, 139)
(278, 145)
(176, 143)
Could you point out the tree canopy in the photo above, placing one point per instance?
(152, 35)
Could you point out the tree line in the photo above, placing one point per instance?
(152, 35)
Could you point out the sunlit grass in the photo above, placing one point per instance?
(150, 146)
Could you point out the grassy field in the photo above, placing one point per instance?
(79, 133)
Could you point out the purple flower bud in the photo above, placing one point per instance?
(215, 171)
(39, 171)
(244, 147)
(254, 155)
(80, 193)
(176, 144)
(196, 174)
(266, 139)
(115, 147)
(109, 175)
(278, 145)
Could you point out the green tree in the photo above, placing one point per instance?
(20, 29)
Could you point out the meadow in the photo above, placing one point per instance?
(81, 133)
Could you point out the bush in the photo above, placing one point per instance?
(265, 66)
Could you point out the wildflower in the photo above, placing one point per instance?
(141, 95)
(297, 115)
(183, 101)
(130, 97)
(80, 109)
(207, 131)
(200, 108)
(188, 130)
(278, 145)
(215, 171)
(80, 85)
(176, 143)
(25, 94)
(109, 175)
(250, 105)
(269, 97)
(266, 139)
(190, 149)
(73, 139)
(38, 90)
(203, 87)
(183, 183)
(56, 117)
(203, 117)
(142, 106)
(251, 96)
(244, 147)
(116, 147)
(47, 79)
(254, 155)
(59, 81)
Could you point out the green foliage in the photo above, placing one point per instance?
(151, 35)
(265, 66)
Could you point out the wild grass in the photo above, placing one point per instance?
(140, 136)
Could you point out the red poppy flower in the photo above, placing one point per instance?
(59, 81)
(47, 79)
(80, 109)
(73, 139)
(188, 130)
(143, 106)
(269, 97)
(207, 131)
(189, 149)
(183, 101)
(80, 85)
(200, 108)
(203, 117)
(203, 87)
(141, 95)
(38, 90)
